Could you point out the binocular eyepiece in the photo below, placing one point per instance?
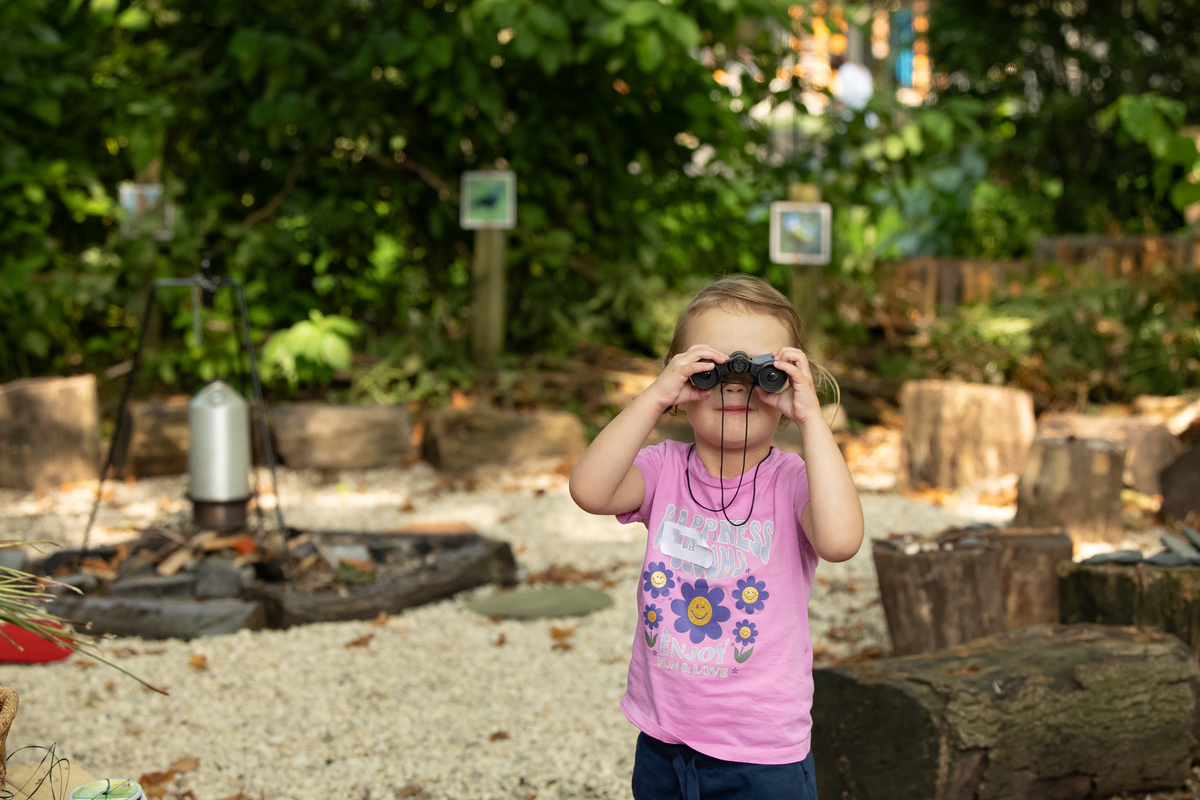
(761, 369)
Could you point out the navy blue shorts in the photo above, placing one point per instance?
(664, 771)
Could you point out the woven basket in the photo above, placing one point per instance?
(8, 711)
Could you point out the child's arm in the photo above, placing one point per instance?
(833, 517)
(605, 480)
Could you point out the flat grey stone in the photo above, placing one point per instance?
(80, 580)
(564, 601)
(1175, 544)
(1168, 558)
(1115, 557)
(217, 577)
(154, 586)
(1192, 535)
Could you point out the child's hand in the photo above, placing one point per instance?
(798, 400)
(674, 385)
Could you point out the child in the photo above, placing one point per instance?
(720, 683)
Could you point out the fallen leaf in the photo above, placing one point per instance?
(970, 669)
(155, 651)
(407, 507)
(380, 621)
(189, 794)
(999, 499)
(197, 661)
(130, 731)
(501, 640)
(562, 633)
(361, 641)
(496, 618)
(124, 652)
(412, 790)
(531, 796)
(563, 646)
(154, 784)
(186, 764)
(245, 545)
(110, 686)
(85, 663)
(499, 736)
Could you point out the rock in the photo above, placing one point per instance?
(464, 440)
(1149, 445)
(1180, 482)
(1177, 545)
(1168, 558)
(158, 619)
(1192, 535)
(334, 437)
(49, 432)
(564, 601)
(179, 585)
(1115, 557)
(217, 577)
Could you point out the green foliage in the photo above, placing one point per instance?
(1071, 339)
(1155, 121)
(310, 350)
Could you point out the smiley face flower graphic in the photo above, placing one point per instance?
(653, 616)
(700, 612)
(750, 595)
(744, 633)
(659, 581)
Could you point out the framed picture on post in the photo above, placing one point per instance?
(800, 233)
(488, 200)
(147, 211)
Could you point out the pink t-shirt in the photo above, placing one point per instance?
(722, 660)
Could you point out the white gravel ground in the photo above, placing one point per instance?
(432, 707)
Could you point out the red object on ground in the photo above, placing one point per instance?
(36, 650)
(244, 545)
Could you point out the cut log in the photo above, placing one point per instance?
(1148, 444)
(465, 440)
(939, 598)
(49, 432)
(333, 437)
(466, 562)
(1049, 712)
(956, 434)
(158, 619)
(1167, 598)
(1076, 484)
(1181, 488)
(157, 442)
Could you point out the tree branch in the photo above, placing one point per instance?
(289, 183)
(444, 190)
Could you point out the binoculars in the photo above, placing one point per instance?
(762, 371)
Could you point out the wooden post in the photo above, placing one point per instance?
(806, 280)
(487, 308)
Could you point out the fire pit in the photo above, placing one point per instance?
(166, 584)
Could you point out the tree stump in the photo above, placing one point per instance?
(466, 440)
(156, 438)
(1167, 598)
(1049, 712)
(334, 437)
(1180, 482)
(49, 432)
(1148, 444)
(939, 598)
(956, 433)
(1074, 483)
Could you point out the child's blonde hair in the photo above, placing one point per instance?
(751, 295)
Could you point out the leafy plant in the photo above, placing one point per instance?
(1155, 121)
(310, 350)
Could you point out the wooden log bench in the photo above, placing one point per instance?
(1048, 712)
(937, 598)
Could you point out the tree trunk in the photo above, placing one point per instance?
(157, 438)
(463, 441)
(334, 437)
(956, 434)
(940, 598)
(1075, 483)
(49, 432)
(1167, 598)
(1149, 445)
(1049, 712)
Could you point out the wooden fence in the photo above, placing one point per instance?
(922, 285)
